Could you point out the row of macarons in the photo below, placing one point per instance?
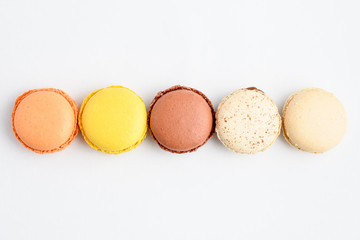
(180, 120)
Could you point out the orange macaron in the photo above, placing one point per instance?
(45, 120)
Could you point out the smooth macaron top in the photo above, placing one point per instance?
(314, 120)
(247, 121)
(181, 119)
(113, 119)
(45, 120)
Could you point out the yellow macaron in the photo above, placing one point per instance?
(113, 119)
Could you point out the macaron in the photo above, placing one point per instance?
(45, 120)
(247, 121)
(113, 119)
(181, 119)
(314, 120)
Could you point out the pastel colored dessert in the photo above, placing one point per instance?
(313, 120)
(247, 121)
(181, 119)
(45, 120)
(113, 119)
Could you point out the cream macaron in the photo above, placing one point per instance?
(247, 121)
(314, 120)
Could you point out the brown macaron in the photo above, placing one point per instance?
(181, 119)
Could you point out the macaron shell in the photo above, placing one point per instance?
(45, 120)
(314, 120)
(181, 120)
(247, 121)
(113, 119)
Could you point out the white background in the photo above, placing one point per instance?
(279, 46)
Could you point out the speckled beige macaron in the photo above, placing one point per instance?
(247, 121)
(314, 120)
